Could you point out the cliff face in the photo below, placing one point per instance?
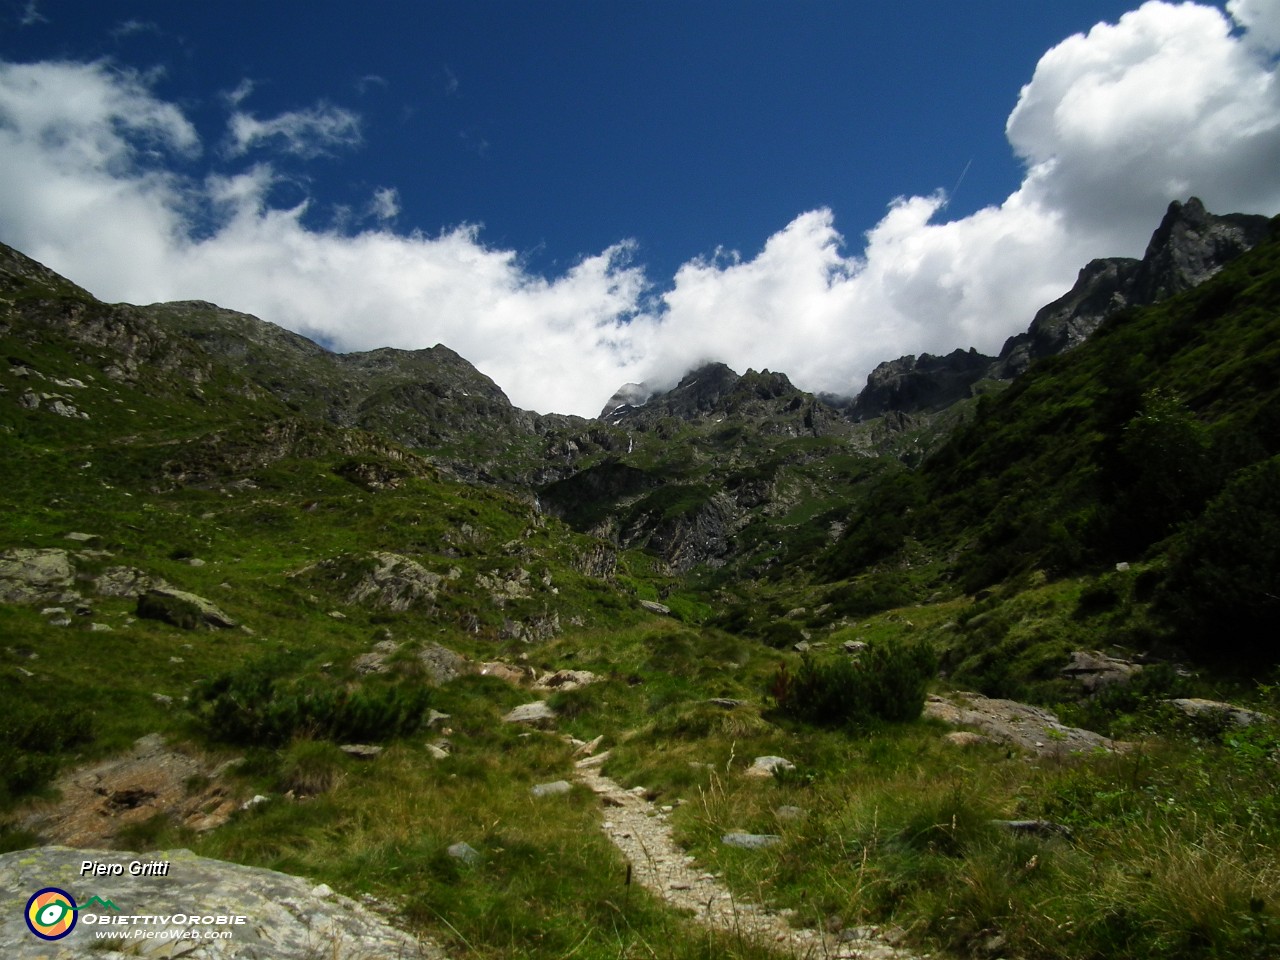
(1188, 247)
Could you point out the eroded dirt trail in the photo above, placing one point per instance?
(658, 863)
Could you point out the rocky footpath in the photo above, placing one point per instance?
(656, 862)
(286, 917)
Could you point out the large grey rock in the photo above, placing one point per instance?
(124, 582)
(1094, 670)
(763, 768)
(1017, 724)
(443, 664)
(1217, 710)
(181, 609)
(536, 714)
(554, 788)
(750, 841)
(29, 575)
(395, 582)
(287, 917)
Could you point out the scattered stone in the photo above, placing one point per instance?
(81, 537)
(535, 714)
(1122, 567)
(762, 768)
(435, 716)
(466, 853)
(727, 702)
(854, 646)
(337, 615)
(654, 607)
(567, 680)
(503, 671)
(195, 562)
(802, 646)
(437, 752)
(750, 841)
(593, 761)
(1034, 828)
(550, 789)
(60, 622)
(788, 813)
(1094, 670)
(53, 611)
(1217, 710)
(163, 699)
(586, 749)
(361, 751)
(100, 628)
(253, 801)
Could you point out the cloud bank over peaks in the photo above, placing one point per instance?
(1170, 101)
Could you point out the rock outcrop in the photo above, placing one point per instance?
(1014, 724)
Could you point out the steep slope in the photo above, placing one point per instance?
(1106, 454)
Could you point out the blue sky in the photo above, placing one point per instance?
(575, 194)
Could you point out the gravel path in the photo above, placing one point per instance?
(643, 834)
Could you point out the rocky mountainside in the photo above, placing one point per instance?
(1188, 247)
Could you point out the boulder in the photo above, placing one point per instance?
(763, 768)
(1094, 670)
(443, 664)
(750, 841)
(1216, 710)
(178, 608)
(286, 917)
(654, 607)
(552, 789)
(30, 575)
(566, 680)
(535, 714)
(396, 583)
(124, 582)
(503, 671)
(1016, 724)
(465, 852)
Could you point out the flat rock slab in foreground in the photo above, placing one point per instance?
(288, 918)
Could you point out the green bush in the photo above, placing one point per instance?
(254, 705)
(885, 682)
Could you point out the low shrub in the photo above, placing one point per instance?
(885, 682)
(255, 706)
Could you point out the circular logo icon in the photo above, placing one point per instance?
(51, 913)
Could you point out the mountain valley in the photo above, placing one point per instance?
(1028, 589)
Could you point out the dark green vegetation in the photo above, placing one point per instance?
(282, 544)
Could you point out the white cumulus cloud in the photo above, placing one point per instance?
(1168, 102)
